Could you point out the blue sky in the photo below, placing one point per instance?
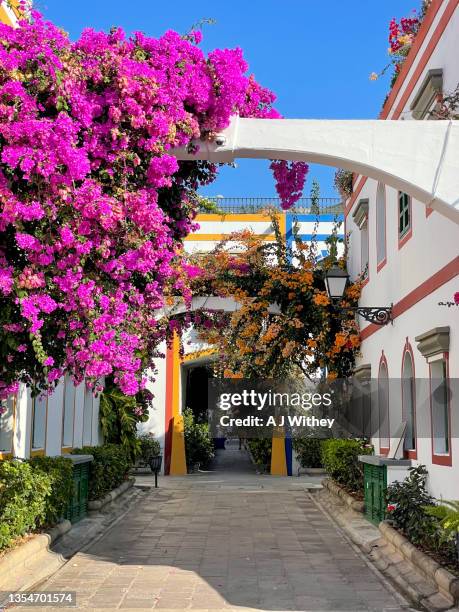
(316, 56)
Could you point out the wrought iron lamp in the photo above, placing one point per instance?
(336, 280)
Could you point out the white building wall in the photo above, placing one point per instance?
(156, 423)
(409, 271)
(55, 417)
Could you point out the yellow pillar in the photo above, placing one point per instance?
(178, 460)
(278, 459)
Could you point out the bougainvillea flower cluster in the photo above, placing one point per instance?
(305, 335)
(93, 204)
(290, 178)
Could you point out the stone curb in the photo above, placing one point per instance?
(25, 557)
(33, 561)
(97, 504)
(335, 489)
(448, 583)
(413, 572)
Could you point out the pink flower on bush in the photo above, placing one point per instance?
(95, 201)
(290, 178)
(456, 297)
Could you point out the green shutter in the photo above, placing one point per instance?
(375, 477)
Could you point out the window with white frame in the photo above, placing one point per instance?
(404, 214)
(39, 415)
(439, 398)
(6, 425)
(69, 412)
(408, 401)
(381, 223)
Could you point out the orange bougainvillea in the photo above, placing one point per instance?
(284, 323)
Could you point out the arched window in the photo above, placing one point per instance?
(383, 407)
(409, 400)
(381, 225)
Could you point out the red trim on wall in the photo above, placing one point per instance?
(421, 35)
(441, 459)
(408, 63)
(412, 453)
(354, 196)
(168, 412)
(384, 450)
(404, 239)
(448, 272)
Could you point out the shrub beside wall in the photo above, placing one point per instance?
(109, 469)
(340, 459)
(59, 470)
(33, 494)
(308, 452)
(261, 449)
(199, 446)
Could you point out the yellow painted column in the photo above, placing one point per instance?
(178, 460)
(278, 459)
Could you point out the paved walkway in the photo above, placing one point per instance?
(220, 541)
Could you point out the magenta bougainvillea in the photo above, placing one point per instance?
(93, 205)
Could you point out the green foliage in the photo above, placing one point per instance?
(448, 514)
(340, 459)
(315, 198)
(119, 415)
(261, 451)
(199, 447)
(149, 447)
(204, 205)
(60, 472)
(308, 451)
(409, 499)
(109, 469)
(23, 499)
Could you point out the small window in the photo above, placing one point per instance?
(69, 411)
(6, 425)
(364, 248)
(404, 214)
(381, 223)
(439, 397)
(408, 402)
(39, 409)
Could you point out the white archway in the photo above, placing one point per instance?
(420, 158)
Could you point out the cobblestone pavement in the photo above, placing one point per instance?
(222, 541)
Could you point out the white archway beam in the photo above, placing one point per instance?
(418, 157)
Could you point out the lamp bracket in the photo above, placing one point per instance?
(379, 315)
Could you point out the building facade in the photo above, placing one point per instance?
(410, 257)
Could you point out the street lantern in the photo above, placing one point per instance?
(336, 280)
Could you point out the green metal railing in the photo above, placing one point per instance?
(323, 206)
